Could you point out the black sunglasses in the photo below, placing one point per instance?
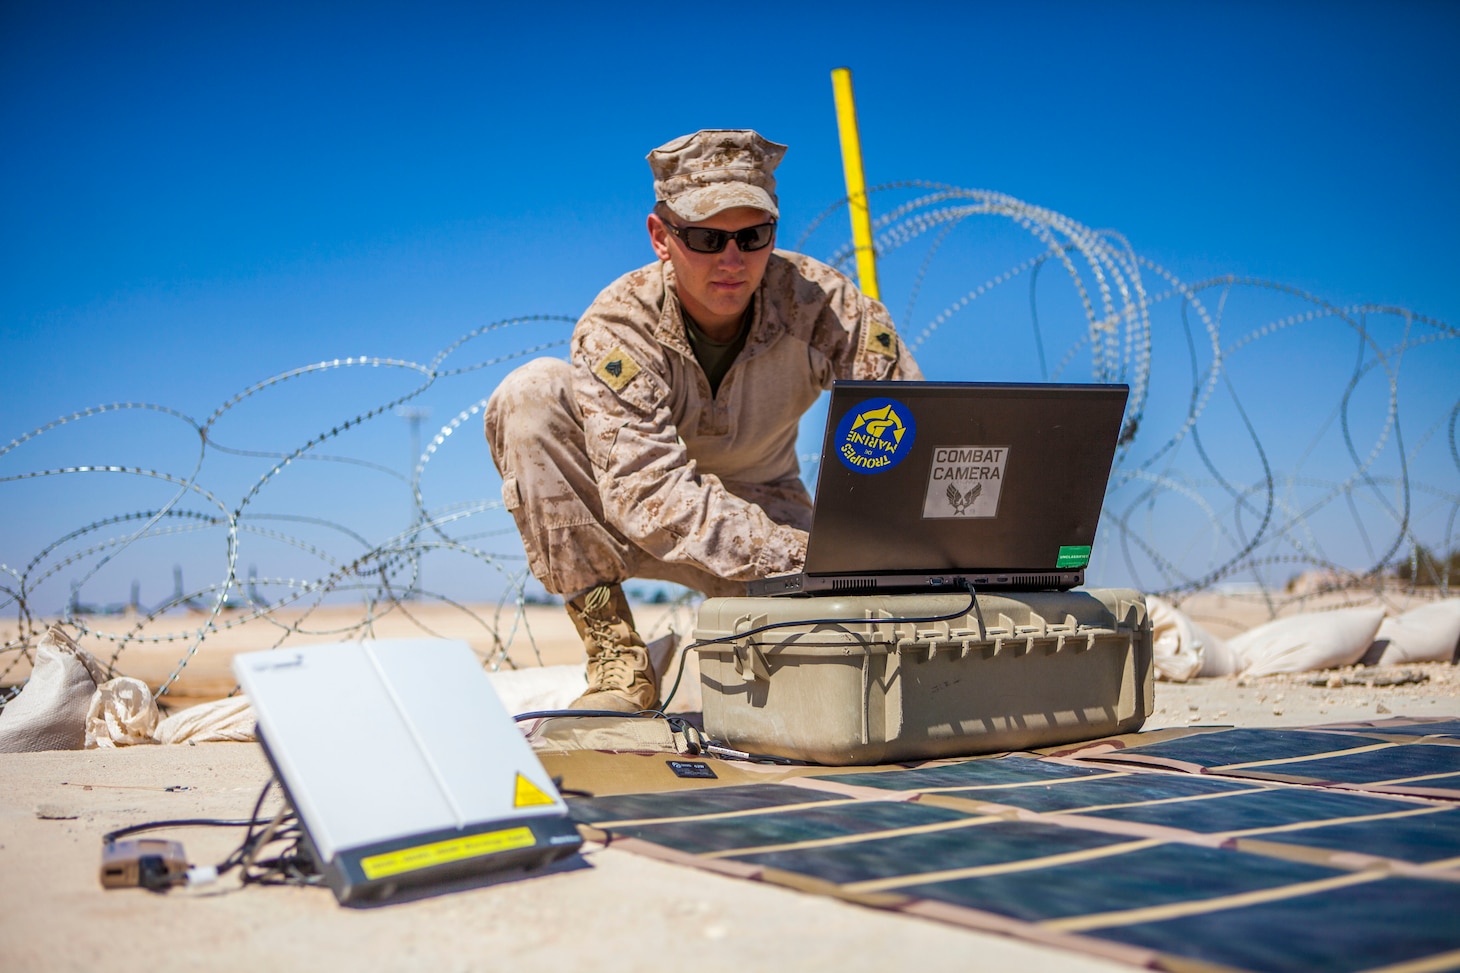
(702, 239)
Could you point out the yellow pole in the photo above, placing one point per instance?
(846, 123)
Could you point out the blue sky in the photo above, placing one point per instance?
(197, 197)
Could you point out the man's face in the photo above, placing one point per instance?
(714, 288)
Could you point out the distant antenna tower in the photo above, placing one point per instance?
(255, 600)
(414, 416)
(179, 596)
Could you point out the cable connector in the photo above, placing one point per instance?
(726, 753)
(202, 874)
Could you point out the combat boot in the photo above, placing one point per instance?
(620, 677)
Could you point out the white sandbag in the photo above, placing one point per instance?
(1183, 648)
(1213, 656)
(1218, 659)
(1430, 633)
(539, 688)
(1306, 642)
(1176, 646)
(50, 712)
(228, 720)
(122, 714)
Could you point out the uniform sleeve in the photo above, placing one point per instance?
(853, 336)
(651, 490)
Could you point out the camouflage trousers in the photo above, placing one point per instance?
(535, 432)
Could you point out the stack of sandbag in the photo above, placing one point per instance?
(1305, 642)
(69, 704)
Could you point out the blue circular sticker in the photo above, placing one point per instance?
(875, 435)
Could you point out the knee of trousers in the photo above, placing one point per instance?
(535, 432)
(535, 401)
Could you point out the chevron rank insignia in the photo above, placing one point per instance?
(881, 339)
(617, 369)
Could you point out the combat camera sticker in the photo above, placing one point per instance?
(875, 435)
(965, 481)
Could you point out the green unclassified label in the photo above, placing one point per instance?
(1073, 556)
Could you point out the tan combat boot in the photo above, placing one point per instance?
(620, 677)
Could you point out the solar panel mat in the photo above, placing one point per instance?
(1425, 764)
(1173, 866)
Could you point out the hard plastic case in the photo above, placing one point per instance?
(1016, 671)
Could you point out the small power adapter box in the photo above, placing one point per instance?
(151, 863)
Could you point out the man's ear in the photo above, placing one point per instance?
(658, 237)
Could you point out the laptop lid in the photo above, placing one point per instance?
(932, 484)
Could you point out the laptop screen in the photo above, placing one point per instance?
(926, 477)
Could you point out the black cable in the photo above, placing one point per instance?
(290, 867)
(907, 620)
(711, 748)
(737, 636)
(678, 675)
(555, 713)
(111, 836)
(730, 753)
(961, 583)
(264, 838)
(237, 856)
(285, 827)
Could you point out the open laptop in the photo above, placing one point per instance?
(934, 485)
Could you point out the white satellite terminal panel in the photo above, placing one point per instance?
(403, 765)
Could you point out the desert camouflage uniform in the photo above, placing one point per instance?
(622, 464)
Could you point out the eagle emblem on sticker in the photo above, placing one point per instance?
(617, 369)
(875, 435)
(960, 501)
(881, 339)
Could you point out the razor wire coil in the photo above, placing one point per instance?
(1259, 512)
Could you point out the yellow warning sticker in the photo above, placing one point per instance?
(617, 369)
(444, 852)
(529, 794)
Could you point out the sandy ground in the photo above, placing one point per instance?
(607, 909)
(604, 910)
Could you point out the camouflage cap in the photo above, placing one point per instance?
(716, 169)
